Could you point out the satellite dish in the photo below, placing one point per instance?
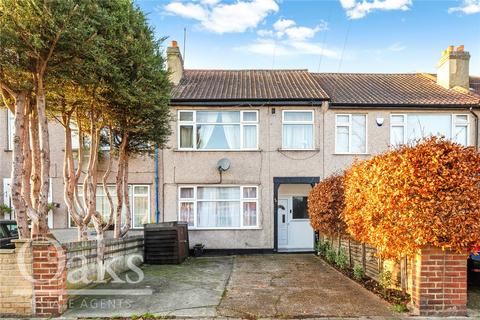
(223, 164)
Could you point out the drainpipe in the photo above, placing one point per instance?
(157, 211)
(476, 127)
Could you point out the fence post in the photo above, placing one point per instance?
(350, 253)
(364, 258)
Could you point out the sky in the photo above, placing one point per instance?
(387, 36)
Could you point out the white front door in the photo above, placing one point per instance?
(294, 230)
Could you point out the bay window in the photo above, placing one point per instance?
(214, 207)
(351, 133)
(408, 128)
(139, 196)
(217, 130)
(297, 131)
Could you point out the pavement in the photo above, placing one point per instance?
(247, 286)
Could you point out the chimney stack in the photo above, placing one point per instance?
(175, 63)
(453, 68)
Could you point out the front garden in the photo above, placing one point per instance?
(403, 223)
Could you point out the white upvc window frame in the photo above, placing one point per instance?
(193, 123)
(132, 204)
(402, 125)
(242, 201)
(10, 129)
(349, 125)
(453, 118)
(310, 122)
(456, 123)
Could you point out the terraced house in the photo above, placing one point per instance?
(248, 145)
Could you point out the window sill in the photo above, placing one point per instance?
(224, 229)
(351, 154)
(216, 150)
(298, 150)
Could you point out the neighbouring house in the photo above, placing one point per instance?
(274, 134)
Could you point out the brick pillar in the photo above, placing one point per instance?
(50, 278)
(439, 283)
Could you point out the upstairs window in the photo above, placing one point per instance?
(408, 128)
(297, 130)
(351, 133)
(217, 130)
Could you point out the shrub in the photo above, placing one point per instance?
(358, 272)
(416, 196)
(385, 279)
(326, 204)
(330, 255)
(341, 260)
(322, 247)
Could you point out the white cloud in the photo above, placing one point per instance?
(467, 7)
(396, 47)
(265, 33)
(270, 47)
(357, 9)
(287, 27)
(282, 24)
(219, 17)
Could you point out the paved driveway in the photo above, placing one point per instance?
(276, 285)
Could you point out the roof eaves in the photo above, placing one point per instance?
(338, 105)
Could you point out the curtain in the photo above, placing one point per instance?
(204, 133)
(249, 214)
(140, 209)
(186, 212)
(224, 213)
(250, 136)
(232, 135)
(297, 136)
(186, 136)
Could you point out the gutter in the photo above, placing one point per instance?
(286, 102)
(400, 106)
(157, 209)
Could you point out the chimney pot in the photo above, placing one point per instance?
(174, 43)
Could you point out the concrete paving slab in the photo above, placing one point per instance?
(296, 285)
(193, 288)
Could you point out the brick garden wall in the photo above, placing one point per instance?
(50, 275)
(16, 291)
(34, 275)
(439, 283)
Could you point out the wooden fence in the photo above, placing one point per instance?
(365, 256)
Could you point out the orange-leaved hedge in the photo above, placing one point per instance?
(326, 204)
(415, 196)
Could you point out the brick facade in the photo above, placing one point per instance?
(439, 283)
(50, 275)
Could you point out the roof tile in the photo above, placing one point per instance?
(221, 85)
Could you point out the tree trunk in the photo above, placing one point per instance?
(18, 171)
(119, 189)
(35, 149)
(44, 158)
(128, 218)
(104, 181)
